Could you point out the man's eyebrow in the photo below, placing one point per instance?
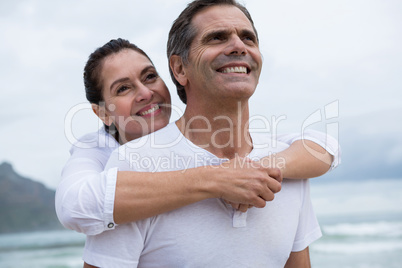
(224, 32)
(214, 33)
(249, 33)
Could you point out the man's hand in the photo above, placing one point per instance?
(247, 183)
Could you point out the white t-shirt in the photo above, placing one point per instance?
(85, 194)
(209, 233)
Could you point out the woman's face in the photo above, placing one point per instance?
(136, 99)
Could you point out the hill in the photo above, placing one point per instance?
(25, 205)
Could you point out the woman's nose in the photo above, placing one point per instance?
(143, 94)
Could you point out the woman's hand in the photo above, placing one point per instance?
(244, 183)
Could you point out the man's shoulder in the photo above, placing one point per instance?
(147, 148)
(162, 138)
(265, 144)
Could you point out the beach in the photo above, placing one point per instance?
(361, 223)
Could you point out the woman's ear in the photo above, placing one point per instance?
(102, 113)
(178, 69)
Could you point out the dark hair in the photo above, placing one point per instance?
(93, 68)
(182, 33)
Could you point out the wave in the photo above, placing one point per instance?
(373, 238)
(365, 229)
(43, 240)
(351, 248)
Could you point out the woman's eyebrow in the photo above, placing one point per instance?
(146, 69)
(118, 81)
(124, 79)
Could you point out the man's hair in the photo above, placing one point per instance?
(182, 33)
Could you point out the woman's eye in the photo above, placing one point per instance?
(151, 76)
(121, 89)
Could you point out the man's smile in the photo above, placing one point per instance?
(240, 69)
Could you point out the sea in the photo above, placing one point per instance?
(361, 222)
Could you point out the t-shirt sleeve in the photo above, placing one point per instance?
(85, 195)
(308, 229)
(121, 248)
(326, 141)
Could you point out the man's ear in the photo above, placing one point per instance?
(102, 113)
(177, 67)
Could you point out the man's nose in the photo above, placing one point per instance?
(236, 46)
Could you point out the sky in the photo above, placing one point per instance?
(333, 66)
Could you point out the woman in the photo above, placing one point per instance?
(131, 99)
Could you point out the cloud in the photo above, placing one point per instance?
(315, 53)
(371, 147)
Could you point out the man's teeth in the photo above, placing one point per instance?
(153, 109)
(242, 70)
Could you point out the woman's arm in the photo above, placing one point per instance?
(141, 195)
(91, 201)
(77, 206)
(309, 155)
(144, 195)
(303, 159)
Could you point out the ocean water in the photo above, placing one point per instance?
(52, 249)
(361, 223)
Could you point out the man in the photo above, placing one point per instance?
(215, 62)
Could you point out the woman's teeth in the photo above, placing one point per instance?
(153, 109)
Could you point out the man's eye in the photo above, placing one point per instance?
(216, 38)
(250, 38)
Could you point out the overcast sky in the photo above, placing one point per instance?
(338, 59)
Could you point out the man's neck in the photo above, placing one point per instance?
(223, 132)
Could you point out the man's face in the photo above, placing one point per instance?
(225, 60)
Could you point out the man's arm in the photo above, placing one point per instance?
(299, 259)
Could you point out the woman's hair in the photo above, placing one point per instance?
(182, 33)
(93, 69)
